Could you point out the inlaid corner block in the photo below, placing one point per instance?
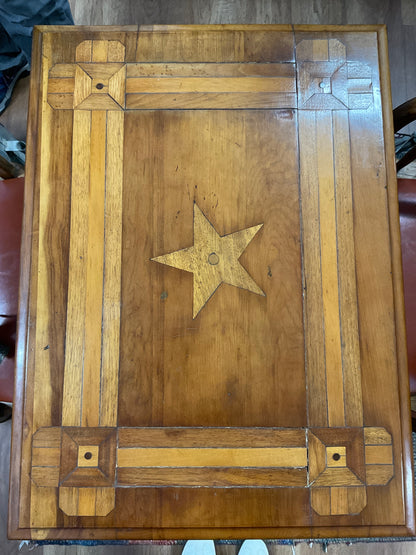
(327, 80)
(214, 303)
(81, 464)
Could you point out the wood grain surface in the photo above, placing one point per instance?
(211, 309)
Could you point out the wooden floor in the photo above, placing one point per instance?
(400, 17)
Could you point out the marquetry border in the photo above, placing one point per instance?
(320, 78)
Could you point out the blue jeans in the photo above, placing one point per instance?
(17, 18)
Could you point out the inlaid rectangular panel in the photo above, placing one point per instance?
(211, 337)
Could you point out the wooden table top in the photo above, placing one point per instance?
(211, 330)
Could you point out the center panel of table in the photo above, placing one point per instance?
(229, 365)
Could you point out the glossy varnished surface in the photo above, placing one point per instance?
(211, 325)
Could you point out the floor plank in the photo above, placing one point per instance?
(6, 547)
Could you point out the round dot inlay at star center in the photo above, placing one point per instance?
(213, 259)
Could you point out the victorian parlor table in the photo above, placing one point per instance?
(211, 337)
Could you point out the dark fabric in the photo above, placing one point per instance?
(407, 208)
(11, 212)
(10, 54)
(17, 18)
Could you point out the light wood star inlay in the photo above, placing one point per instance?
(213, 260)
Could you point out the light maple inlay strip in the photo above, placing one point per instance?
(75, 334)
(112, 269)
(329, 262)
(220, 457)
(180, 85)
(312, 283)
(86, 501)
(94, 282)
(346, 271)
(99, 50)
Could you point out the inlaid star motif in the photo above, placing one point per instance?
(213, 260)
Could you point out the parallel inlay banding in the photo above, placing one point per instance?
(276, 458)
(220, 266)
